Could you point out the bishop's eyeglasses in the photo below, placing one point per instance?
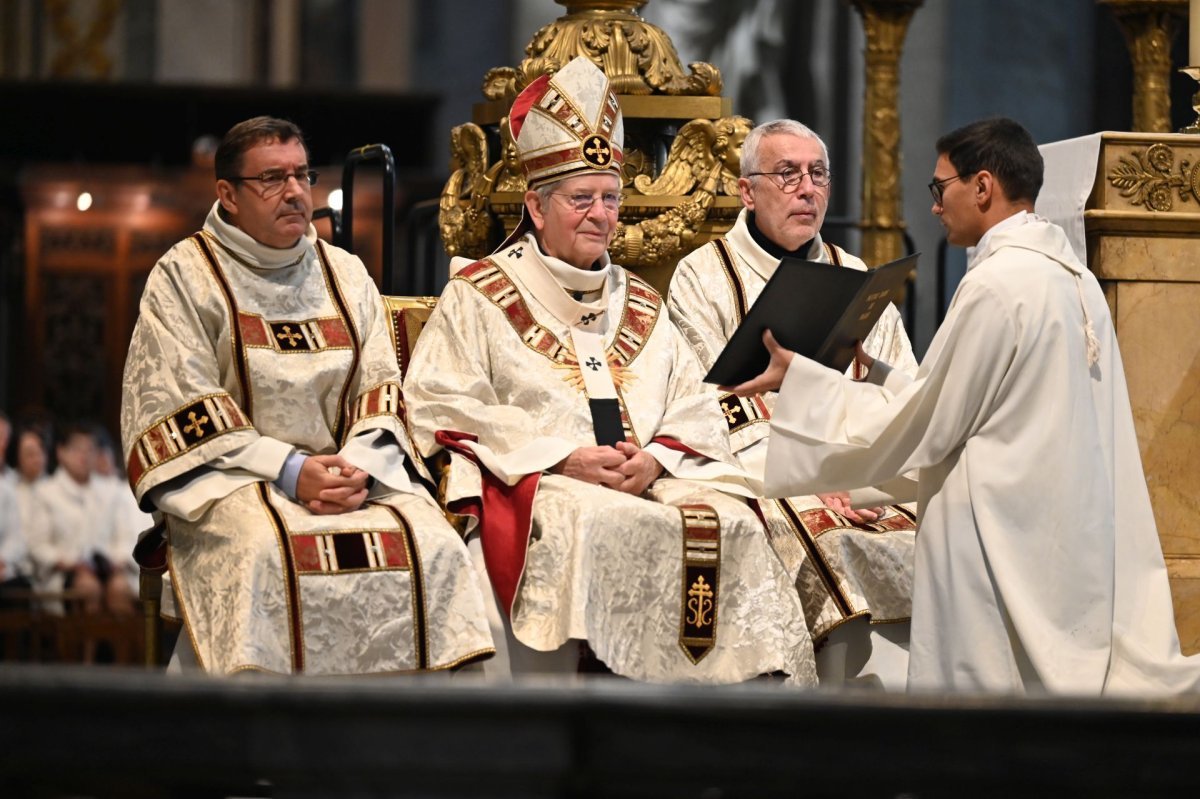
(789, 180)
(273, 180)
(582, 203)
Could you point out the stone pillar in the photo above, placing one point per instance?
(885, 23)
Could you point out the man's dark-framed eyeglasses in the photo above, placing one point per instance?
(582, 203)
(938, 187)
(789, 180)
(273, 180)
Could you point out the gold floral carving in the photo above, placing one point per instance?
(1146, 178)
(664, 238)
(1150, 27)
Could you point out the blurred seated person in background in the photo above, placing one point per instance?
(571, 408)
(73, 555)
(14, 550)
(128, 519)
(7, 474)
(29, 455)
(853, 569)
(262, 418)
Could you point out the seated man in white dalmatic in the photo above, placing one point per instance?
(852, 568)
(262, 417)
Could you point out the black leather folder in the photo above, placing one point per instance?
(818, 310)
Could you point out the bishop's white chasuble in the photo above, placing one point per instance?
(679, 584)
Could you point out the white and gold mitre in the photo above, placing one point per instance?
(568, 124)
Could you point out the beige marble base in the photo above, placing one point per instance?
(1185, 591)
(1158, 328)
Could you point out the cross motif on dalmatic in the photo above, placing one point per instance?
(197, 425)
(592, 363)
(588, 318)
(288, 336)
(700, 604)
(730, 412)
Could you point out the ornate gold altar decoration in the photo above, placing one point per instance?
(682, 145)
(885, 23)
(1145, 178)
(1150, 27)
(81, 54)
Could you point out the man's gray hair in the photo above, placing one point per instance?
(545, 190)
(776, 127)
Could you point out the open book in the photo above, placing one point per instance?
(818, 310)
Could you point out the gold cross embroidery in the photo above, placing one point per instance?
(197, 425)
(288, 335)
(597, 152)
(730, 412)
(599, 148)
(700, 605)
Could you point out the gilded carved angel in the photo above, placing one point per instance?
(463, 216)
(703, 152)
(507, 174)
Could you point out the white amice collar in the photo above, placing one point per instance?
(572, 278)
(1019, 218)
(551, 279)
(253, 253)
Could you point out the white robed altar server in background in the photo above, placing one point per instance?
(853, 569)
(571, 408)
(1038, 566)
(262, 417)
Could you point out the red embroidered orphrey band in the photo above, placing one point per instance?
(642, 304)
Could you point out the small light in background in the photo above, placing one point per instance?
(335, 199)
(83, 201)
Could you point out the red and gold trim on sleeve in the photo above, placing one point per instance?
(308, 335)
(701, 580)
(741, 412)
(385, 399)
(821, 520)
(181, 431)
(808, 525)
